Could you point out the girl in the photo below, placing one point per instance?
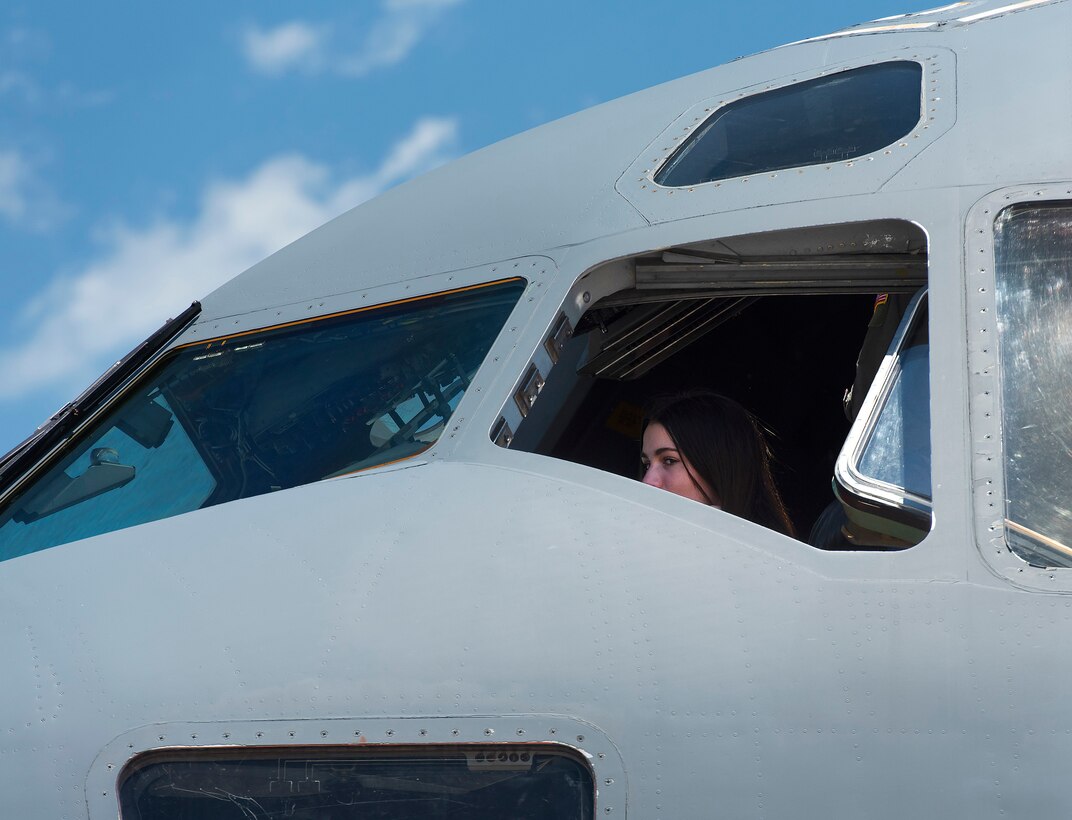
(707, 447)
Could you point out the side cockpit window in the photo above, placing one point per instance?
(782, 323)
(835, 118)
(1033, 255)
(264, 411)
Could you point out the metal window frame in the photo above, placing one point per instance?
(987, 445)
(583, 740)
(885, 500)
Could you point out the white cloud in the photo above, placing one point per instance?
(22, 53)
(401, 5)
(13, 173)
(21, 84)
(294, 45)
(302, 46)
(25, 201)
(149, 273)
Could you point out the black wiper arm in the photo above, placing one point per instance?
(23, 456)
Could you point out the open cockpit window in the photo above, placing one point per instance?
(835, 118)
(1033, 255)
(782, 322)
(263, 411)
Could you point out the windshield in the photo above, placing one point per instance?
(264, 411)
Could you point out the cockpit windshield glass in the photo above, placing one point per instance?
(1033, 254)
(259, 412)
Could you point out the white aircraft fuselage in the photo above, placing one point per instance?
(488, 574)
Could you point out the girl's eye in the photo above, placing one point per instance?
(644, 465)
(669, 461)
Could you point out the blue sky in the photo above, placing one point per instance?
(149, 152)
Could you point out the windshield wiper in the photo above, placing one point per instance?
(53, 431)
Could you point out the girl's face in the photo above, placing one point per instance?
(667, 469)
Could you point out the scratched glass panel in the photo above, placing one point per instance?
(829, 119)
(263, 412)
(477, 783)
(1033, 250)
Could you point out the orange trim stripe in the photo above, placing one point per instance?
(420, 452)
(223, 339)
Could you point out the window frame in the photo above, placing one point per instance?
(324, 755)
(860, 175)
(636, 277)
(582, 740)
(873, 497)
(201, 335)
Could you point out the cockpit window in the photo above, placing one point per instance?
(829, 119)
(1033, 254)
(782, 322)
(264, 411)
(527, 782)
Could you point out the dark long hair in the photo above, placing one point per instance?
(727, 448)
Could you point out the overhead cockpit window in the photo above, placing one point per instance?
(476, 782)
(1033, 254)
(829, 119)
(264, 411)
